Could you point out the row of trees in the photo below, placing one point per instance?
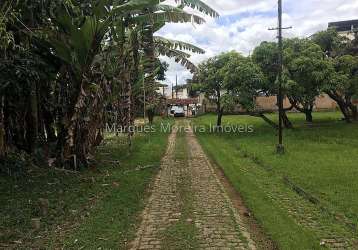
(324, 63)
(64, 63)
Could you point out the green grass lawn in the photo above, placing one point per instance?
(321, 159)
(96, 208)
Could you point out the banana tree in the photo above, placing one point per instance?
(6, 40)
(78, 41)
(155, 45)
(126, 27)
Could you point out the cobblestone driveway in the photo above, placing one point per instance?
(217, 222)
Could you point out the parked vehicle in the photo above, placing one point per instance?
(179, 112)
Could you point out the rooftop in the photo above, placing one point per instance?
(344, 25)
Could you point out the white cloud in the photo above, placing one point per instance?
(244, 24)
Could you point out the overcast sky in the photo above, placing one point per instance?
(243, 24)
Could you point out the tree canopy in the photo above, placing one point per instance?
(70, 66)
(325, 63)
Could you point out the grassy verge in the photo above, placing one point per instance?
(319, 161)
(182, 234)
(93, 209)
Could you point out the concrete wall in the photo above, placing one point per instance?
(269, 103)
(323, 102)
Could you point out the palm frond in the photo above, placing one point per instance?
(165, 7)
(199, 5)
(175, 44)
(134, 5)
(169, 16)
(179, 57)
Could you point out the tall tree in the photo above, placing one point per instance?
(266, 56)
(211, 78)
(244, 81)
(342, 54)
(307, 72)
(343, 87)
(229, 80)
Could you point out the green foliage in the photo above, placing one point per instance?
(14, 164)
(342, 86)
(101, 202)
(330, 41)
(266, 56)
(307, 70)
(76, 58)
(162, 69)
(231, 78)
(210, 76)
(346, 78)
(7, 17)
(244, 79)
(310, 69)
(199, 5)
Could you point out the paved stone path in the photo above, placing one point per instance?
(217, 222)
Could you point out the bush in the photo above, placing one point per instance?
(14, 164)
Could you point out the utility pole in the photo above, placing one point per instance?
(172, 91)
(280, 147)
(144, 100)
(176, 86)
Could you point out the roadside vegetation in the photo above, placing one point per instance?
(325, 63)
(304, 199)
(68, 67)
(94, 208)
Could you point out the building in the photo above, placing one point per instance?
(181, 93)
(345, 28)
(170, 92)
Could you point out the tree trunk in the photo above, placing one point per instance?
(32, 138)
(76, 132)
(267, 120)
(309, 117)
(2, 127)
(124, 102)
(345, 111)
(149, 65)
(219, 118)
(49, 123)
(150, 114)
(286, 122)
(219, 109)
(341, 104)
(354, 111)
(135, 75)
(95, 125)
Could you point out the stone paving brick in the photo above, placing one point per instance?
(218, 223)
(219, 220)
